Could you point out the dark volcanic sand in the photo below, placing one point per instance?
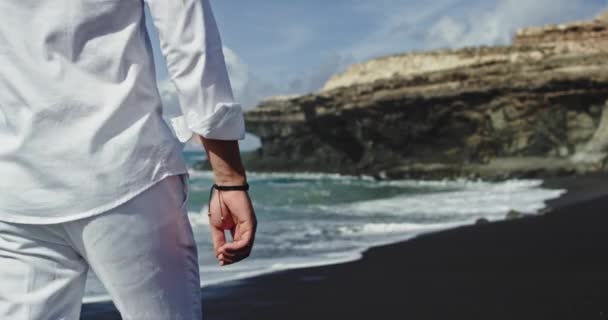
(552, 266)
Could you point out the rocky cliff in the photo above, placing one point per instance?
(537, 107)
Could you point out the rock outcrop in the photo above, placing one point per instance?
(535, 108)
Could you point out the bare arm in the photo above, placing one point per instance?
(236, 206)
(192, 47)
(225, 159)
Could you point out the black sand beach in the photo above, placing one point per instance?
(551, 266)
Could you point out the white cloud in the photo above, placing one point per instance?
(238, 71)
(399, 25)
(423, 25)
(317, 77)
(310, 81)
(292, 37)
(447, 30)
(497, 24)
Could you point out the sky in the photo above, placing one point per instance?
(279, 47)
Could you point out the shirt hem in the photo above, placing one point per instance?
(8, 218)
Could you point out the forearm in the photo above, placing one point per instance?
(225, 160)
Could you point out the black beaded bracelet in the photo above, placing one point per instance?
(243, 187)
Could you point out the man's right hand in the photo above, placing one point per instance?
(239, 219)
(235, 205)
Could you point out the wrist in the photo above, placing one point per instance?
(231, 180)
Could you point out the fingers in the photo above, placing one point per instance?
(237, 250)
(227, 258)
(235, 246)
(240, 248)
(219, 239)
(224, 260)
(243, 237)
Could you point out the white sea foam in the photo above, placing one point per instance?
(469, 199)
(198, 219)
(384, 228)
(256, 176)
(463, 183)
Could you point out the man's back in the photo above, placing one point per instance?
(80, 115)
(90, 174)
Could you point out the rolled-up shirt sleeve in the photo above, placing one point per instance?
(191, 45)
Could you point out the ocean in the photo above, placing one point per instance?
(308, 219)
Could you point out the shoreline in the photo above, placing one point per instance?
(578, 188)
(237, 287)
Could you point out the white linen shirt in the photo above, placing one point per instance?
(81, 126)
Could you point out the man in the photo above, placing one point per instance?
(90, 174)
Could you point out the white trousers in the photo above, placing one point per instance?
(142, 251)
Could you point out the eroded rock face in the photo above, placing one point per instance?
(469, 112)
(581, 37)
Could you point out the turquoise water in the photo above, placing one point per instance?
(314, 219)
